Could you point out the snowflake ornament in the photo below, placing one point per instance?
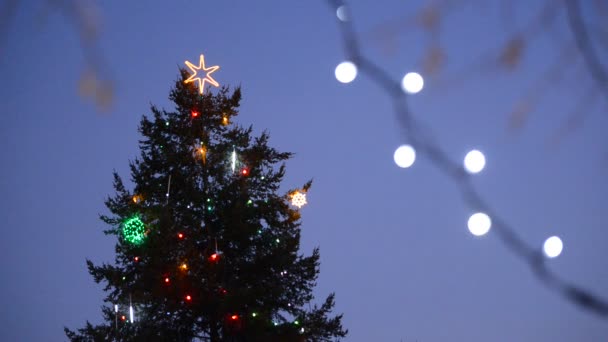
(298, 199)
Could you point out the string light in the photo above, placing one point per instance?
(412, 83)
(245, 171)
(137, 199)
(136, 259)
(233, 161)
(214, 257)
(404, 156)
(207, 78)
(194, 114)
(188, 298)
(479, 224)
(167, 280)
(234, 317)
(254, 314)
(180, 236)
(183, 267)
(346, 72)
(225, 120)
(553, 247)
(474, 161)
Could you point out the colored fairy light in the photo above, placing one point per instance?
(180, 235)
(167, 280)
(245, 171)
(234, 317)
(123, 318)
(188, 298)
(249, 202)
(298, 199)
(137, 198)
(214, 257)
(136, 259)
(254, 314)
(225, 120)
(183, 267)
(203, 152)
(134, 230)
(207, 78)
(194, 114)
(296, 322)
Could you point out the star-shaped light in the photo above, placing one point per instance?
(201, 67)
(298, 199)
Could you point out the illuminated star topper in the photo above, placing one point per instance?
(201, 68)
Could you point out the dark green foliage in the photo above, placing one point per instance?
(260, 275)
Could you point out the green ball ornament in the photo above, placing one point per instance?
(134, 230)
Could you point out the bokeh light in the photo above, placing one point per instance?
(342, 13)
(474, 161)
(346, 72)
(412, 82)
(553, 247)
(404, 156)
(479, 224)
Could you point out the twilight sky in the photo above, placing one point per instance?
(394, 242)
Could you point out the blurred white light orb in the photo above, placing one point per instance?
(346, 72)
(474, 161)
(412, 83)
(342, 13)
(553, 247)
(479, 224)
(404, 156)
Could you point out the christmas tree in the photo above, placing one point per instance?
(207, 249)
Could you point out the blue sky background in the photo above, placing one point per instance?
(394, 242)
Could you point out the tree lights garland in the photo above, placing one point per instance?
(479, 223)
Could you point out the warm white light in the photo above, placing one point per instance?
(412, 82)
(479, 224)
(346, 72)
(404, 156)
(298, 199)
(474, 161)
(553, 247)
(342, 13)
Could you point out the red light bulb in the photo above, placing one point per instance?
(167, 280)
(180, 235)
(234, 317)
(245, 171)
(194, 114)
(214, 257)
(136, 259)
(188, 298)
